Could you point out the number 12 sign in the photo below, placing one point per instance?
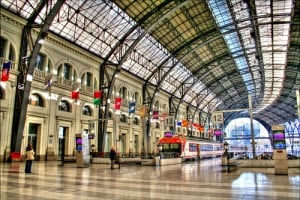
(217, 118)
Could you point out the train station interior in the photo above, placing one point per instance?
(199, 99)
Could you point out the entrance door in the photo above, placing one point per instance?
(62, 142)
(123, 143)
(108, 142)
(32, 134)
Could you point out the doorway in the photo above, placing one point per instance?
(62, 142)
(32, 135)
(123, 143)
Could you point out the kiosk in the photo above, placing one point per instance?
(82, 150)
(279, 150)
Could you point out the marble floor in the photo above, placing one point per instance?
(190, 180)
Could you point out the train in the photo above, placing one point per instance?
(189, 148)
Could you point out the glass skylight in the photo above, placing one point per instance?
(273, 41)
(223, 18)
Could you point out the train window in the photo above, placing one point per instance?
(174, 147)
(193, 147)
(171, 147)
(207, 147)
(165, 147)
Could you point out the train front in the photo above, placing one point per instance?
(171, 146)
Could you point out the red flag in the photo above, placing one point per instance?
(118, 101)
(75, 94)
(155, 114)
(98, 97)
(5, 71)
(98, 94)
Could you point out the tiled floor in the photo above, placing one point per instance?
(191, 180)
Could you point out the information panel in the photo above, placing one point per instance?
(279, 150)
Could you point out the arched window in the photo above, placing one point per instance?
(11, 53)
(64, 106)
(36, 100)
(86, 110)
(136, 121)
(87, 79)
(136, 97)
(39, 62)
(123, 92)
(123, 118)
(66, 71)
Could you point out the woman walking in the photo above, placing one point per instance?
(29, 158)
(112, 156)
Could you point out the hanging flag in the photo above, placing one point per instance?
(155, 114)
(178, 123)
(75, 91)
(185, 123)
(75, 94)
(118, 101)
(131, 107)
(98, 95)
(48, 81)
(143, 111)
(5, 71)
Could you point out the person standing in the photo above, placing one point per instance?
(29, 158)
(112, 156)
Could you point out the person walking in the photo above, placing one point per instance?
(112, 156)
(29, 158)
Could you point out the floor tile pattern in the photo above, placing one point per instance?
(190, 180)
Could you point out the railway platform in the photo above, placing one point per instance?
(190, 180)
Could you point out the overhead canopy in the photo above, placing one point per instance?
(210, 54)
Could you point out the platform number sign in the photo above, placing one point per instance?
(217, 118)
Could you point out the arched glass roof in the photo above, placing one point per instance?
(210, 54)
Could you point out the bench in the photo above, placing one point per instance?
(127, 161)
(230, 166)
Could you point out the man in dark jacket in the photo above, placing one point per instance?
(112, 156)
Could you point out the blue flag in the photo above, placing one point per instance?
(131, 107)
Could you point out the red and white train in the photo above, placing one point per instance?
(190, 149)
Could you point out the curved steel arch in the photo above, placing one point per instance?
(103, 123)
(216, 96)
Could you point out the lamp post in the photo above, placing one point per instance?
(159, 155)
(159, 147)
(225, 155)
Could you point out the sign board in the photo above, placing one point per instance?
(217, 118)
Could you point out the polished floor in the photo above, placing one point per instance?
(190, 180)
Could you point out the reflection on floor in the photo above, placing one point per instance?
(190, 180)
